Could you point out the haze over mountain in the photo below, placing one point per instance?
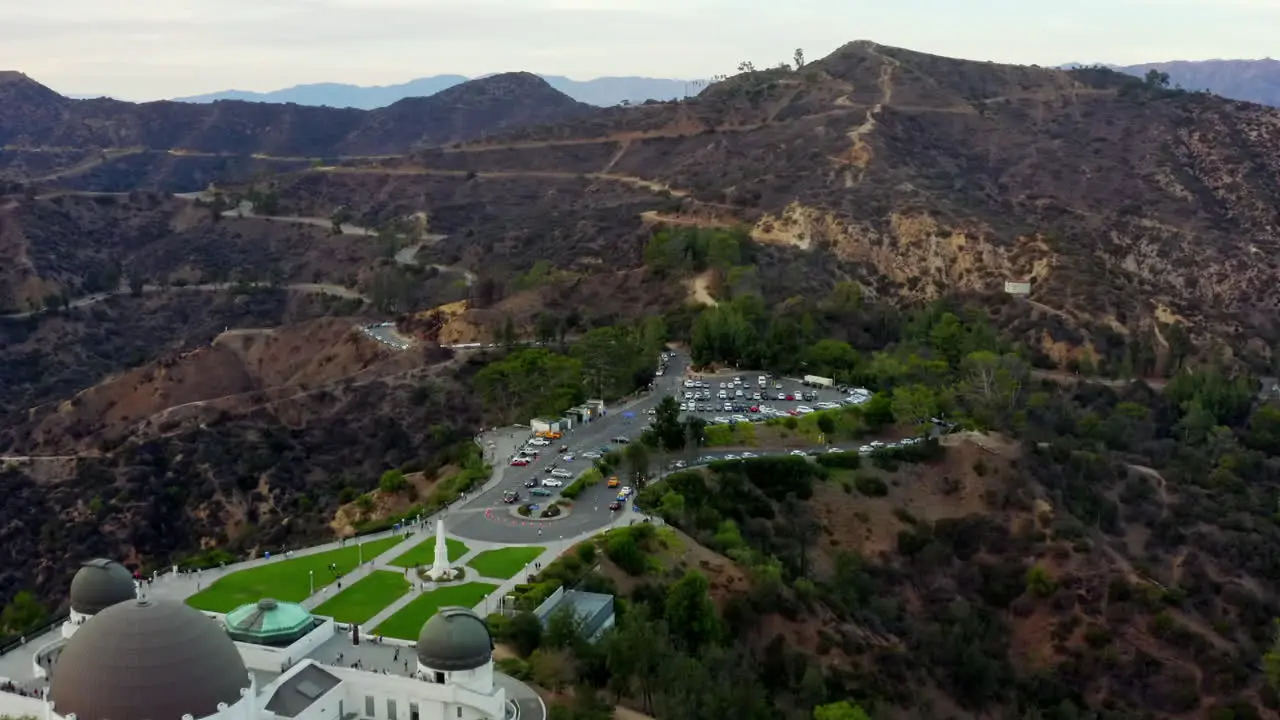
(1250, 80)
(602, 91)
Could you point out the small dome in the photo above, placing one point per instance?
(99, 584)
(269, 622)
(455, 639)
(147, 660)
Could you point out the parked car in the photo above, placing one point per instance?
(519, 462)
(541, 492)
(531, 482)
(552, 482)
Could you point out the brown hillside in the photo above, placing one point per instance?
(240, 369)
(1128, 207)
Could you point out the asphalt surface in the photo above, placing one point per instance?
(485, 517)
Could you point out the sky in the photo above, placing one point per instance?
(152, 49)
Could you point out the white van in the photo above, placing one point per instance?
(561, 473)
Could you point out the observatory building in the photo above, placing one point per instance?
(124, 657)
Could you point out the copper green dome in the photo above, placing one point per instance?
(269, 622)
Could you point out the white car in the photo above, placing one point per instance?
(828, 405)
(835, 450)
(688, 383)
(866, 450)
(731, 456)
(540, 442)
(567, 458)
(804, 409)
(749, 455)
(799, 453)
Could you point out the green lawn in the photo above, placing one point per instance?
(286, 580)
(408, 622)
(366, 598)
(424, 553)
(504, 563)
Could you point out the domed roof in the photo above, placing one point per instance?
(269, 622)
(454, 639)
(99, 584)
(147, 660)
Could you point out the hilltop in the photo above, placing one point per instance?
(37, 119)
(1137, 213)
(603, 91)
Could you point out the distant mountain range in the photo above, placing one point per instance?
(1250, 80)
(36, 117)
(604, 91)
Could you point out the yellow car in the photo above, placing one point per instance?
(613, 482)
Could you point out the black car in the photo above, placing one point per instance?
(531, 482)
(615, 505)
(510, 496)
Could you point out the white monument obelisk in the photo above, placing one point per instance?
(440, 569)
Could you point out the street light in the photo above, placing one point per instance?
(311, 575)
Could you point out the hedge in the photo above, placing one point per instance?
(587, 479)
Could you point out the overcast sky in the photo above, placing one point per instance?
(149, 49)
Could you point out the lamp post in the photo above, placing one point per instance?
(360, 552)
(311, 576)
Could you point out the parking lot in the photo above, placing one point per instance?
(750, 396)
(386, 334)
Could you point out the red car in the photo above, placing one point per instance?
(790, 396)
(519, 462)
(615, 505)
(755, 408)
(793, 413)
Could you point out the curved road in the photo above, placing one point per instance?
(485, 517)
(314, 288)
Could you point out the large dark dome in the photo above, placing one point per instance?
(99, 584)
(147, 660)
(455, 639)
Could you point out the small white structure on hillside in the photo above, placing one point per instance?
(1020, 288)
(440, 568)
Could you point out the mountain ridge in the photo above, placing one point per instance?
(1256, 80)
(602, 91)
(37, 117)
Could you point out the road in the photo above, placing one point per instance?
(485, 517)
(313, 288)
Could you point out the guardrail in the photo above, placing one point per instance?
(33, 634)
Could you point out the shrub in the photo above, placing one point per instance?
(846, 460)
(870, 485)
(587, 479)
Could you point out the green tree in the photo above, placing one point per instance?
(23, 614)
(690, 613)
(392, 481)
(637, 457)
(993, 384)
(1196, 423)
(667, 425)
(914, 405)
(1263, 432)
(524, 632)
(840, 711)
(1039, 582)
(695, 429)
(637, 650)
(564, 630)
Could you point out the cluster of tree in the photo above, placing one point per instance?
(688, 249)
(670, 652)
(606, 362)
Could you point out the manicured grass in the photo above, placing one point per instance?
(366, 598)
(504, 563)
(287, 580)
(731, 435)
(408, 622)
(424, 553)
